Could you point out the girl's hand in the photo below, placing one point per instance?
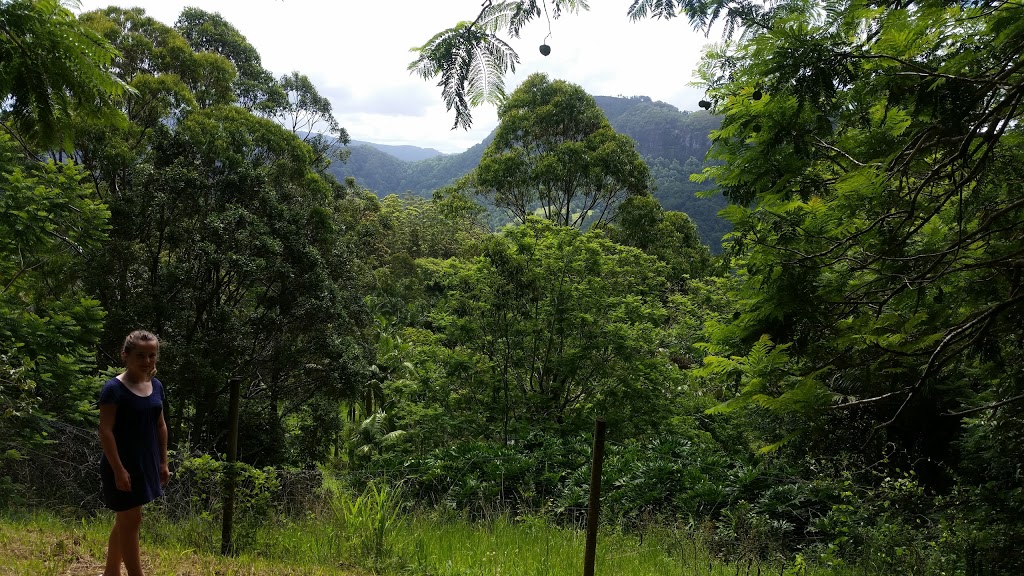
(165, 474)
(123, 480)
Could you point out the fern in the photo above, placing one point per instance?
(472, 59)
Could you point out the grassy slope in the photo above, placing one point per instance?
(43, 546)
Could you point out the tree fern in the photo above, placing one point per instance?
(472, 59)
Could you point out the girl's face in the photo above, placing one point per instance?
(140, 362)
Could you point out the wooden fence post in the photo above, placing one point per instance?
(593, 512)
(230, 474)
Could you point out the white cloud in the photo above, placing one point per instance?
(357, 53)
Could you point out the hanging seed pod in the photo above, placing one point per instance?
(545, 49)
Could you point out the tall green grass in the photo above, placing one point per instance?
(372, 531)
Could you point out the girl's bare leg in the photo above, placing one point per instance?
(126, 531)
(113, 566)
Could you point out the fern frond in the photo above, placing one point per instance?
(490, 61)
(472, 64)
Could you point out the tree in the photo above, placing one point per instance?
(670, 236)
(49, 324)
(229, 241)
(254, 85)
(50, 67)
(309, 116)
(555, 152)
(873, 158)
(228, 247)
(873, 182)
(547, 328)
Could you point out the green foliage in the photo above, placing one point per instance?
(472, 60)
(524, 339)
(48, 324)
(254, 86)
(555, 153)
(369, 520)
(202, 480)
(865, 230)
(52, 67)
(670, 236)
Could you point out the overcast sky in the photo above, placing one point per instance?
(356, 52)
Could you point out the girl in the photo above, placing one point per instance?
(133, 435)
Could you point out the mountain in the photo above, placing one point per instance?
(402, 152)
(672, 142)
(386, 174)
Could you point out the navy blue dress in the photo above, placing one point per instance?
(135, 426)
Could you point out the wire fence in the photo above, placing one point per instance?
(63, 474)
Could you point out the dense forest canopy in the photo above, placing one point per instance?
(842, 386)
(672, 143)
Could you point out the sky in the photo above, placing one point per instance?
(356, 52)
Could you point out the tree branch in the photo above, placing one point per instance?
(992, 406)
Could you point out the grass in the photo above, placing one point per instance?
(44, 545)
(326, 545)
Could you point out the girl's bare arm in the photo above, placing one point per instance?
(108, 413)
(161, 434)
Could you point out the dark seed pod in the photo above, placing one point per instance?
(545, 49)
(756, 128)
(704, 104)
(756, 95)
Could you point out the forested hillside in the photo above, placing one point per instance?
(402, 152)
(673, 143)
(384, 383)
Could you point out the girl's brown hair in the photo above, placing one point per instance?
(133, 339)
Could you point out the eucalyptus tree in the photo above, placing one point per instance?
(228, 240)
(555, 152)
(254, 86)
(309, 115)
(168, 79)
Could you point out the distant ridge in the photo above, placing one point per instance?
(401, 151)
(672, 142)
